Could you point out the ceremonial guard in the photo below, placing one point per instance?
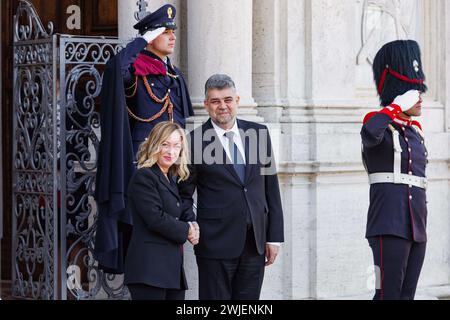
(140, 88)
(395, 157)
(155, 89)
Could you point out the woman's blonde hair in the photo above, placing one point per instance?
(150, 149)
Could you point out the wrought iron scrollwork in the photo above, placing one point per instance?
(34, 192)
(28, 25)
(81, 77)
(56, 139)
(98, 53)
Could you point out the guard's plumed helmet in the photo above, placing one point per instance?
(397, 68)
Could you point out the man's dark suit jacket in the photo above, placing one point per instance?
(224, 200)
(155, 253)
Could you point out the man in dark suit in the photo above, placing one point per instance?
(238, 206)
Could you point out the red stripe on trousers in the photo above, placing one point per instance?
(381, 270)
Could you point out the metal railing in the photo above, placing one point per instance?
(56, 132)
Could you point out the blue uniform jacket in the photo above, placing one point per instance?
(395, 209)
(140, 102)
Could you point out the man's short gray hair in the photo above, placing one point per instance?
(219, 82)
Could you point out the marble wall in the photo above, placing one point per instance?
(303, 68)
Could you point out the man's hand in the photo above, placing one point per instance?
(271, 253)
(194, 233)
(149, 36)
(408, 100)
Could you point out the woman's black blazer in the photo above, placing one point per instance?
(155, 252)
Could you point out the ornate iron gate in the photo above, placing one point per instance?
(35, 267)
(57, 82)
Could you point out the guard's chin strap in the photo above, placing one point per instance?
(397, 75)
(405, 112)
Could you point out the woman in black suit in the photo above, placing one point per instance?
(154, 262)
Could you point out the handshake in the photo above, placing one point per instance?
(194, 233)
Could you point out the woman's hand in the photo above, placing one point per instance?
(194, 233)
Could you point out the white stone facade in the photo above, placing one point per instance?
(303, 68)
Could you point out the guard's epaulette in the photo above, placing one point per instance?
(369, 116)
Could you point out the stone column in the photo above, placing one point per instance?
(446, 54)
(278, 56)
(303, 57)
(331, 56)
(127, 9)
(268, 36)
(220, 41)
(321, 67)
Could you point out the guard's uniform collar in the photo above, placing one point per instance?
(154, 56)
(403, 122)
(167, 64)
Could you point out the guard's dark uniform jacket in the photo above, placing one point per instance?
(148, 80)
(128, 105)
(395, 209)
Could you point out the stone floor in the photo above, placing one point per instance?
(430, 293)
(435, 293)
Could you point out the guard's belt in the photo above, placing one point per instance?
(397, 177)
(388, 177)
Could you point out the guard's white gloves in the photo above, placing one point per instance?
(153, 34)
(408, 100)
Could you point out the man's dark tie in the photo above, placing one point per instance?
(236, 156)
